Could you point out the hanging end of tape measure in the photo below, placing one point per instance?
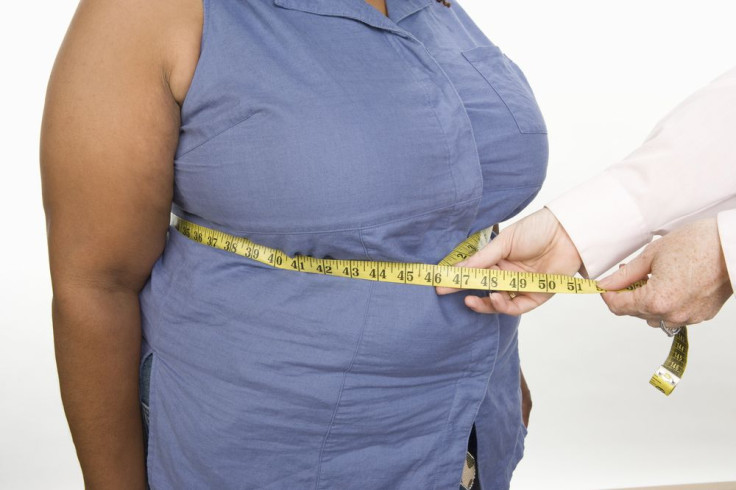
(664, 380)
(669, 374)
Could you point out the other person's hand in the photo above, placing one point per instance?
(687, 278)
(537, 243)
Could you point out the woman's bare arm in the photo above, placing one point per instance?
(109, 134)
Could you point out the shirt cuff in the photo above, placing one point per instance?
(603, 221)
(727, 232)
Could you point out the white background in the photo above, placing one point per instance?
(603, 73)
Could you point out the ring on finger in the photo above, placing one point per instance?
(512, 294)
(670, 331)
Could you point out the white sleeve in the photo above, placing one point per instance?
(727, 232)
(685, 170)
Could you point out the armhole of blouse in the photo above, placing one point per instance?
(206, 14)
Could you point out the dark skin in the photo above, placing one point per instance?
(380, 5)
(107, 149)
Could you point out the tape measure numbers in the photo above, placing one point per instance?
(442, 274)
(666, 377)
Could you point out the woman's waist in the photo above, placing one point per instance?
(422, 238)
(321, 321)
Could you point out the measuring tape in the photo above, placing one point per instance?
(442, 274)
(666, 377)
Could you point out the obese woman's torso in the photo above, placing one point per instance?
(329, 129)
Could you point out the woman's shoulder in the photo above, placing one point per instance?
(110, 129)
(163, 36)
(184, 38)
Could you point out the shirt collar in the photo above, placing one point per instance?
(400, 9)
(360, 10)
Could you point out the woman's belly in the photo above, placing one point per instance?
(274, 363)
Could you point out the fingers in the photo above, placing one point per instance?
(496, 303)
(687, 278)
(656, 324)
(653, 303)
(625, 276)
(443, 290)
(491, 254)
(626, 303)
(479, 305)
(641, 303)
(503, 303)
(500, 302)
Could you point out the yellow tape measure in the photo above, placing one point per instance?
(666, 377)
(442, 274)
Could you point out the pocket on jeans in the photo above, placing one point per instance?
(508, 81)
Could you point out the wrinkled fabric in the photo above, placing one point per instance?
(324, 128)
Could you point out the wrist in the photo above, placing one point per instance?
(566, 247)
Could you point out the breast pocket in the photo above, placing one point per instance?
(510, 84)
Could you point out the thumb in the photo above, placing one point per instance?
(628, 274)
(490, 255)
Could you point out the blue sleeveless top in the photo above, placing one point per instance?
(324, 128)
